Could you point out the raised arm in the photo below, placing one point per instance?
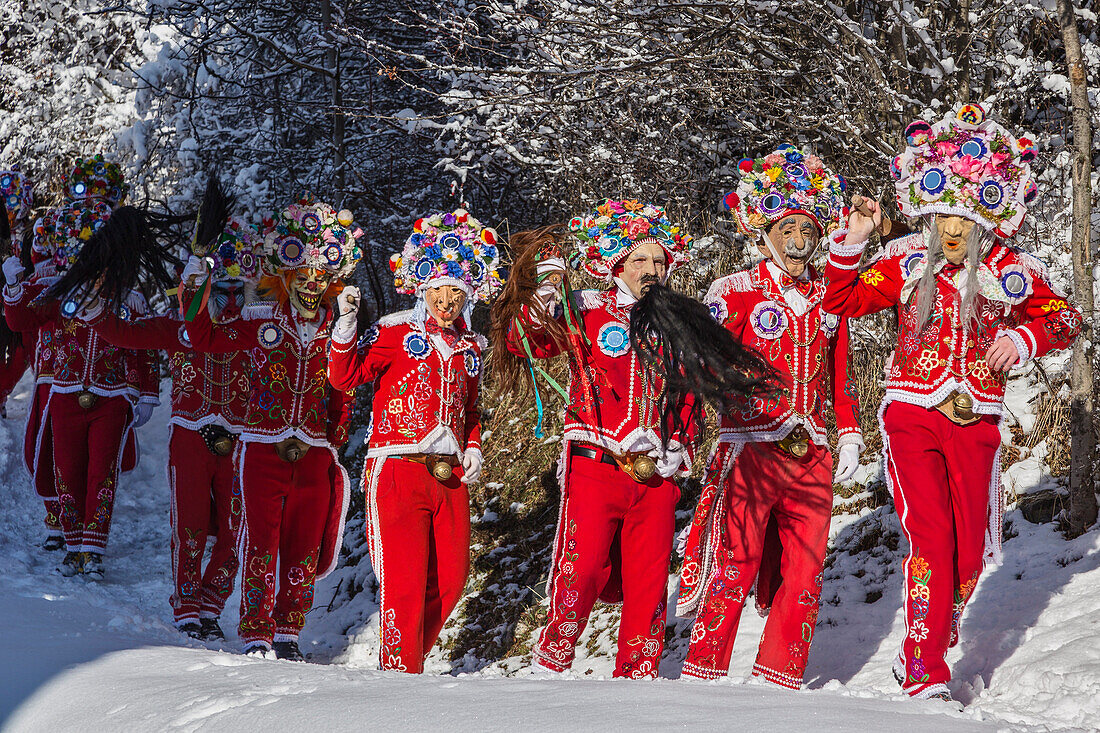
(851, 293)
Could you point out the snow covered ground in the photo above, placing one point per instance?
(82, 656)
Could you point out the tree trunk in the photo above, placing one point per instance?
(332, 63)
(1082, 499)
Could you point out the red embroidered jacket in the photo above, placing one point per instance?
(621, 413)
(206, 388)
(424, 392)
(81, 360)
(809, 352)
(289, 394)
(1016, 299)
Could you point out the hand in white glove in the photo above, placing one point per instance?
(13, 270)
(142, 412)
(669, 463)
(347, 305)
(195, 271)
(471, 465)
(847, 463)
(682, 540)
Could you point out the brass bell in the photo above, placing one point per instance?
(644, 468)
(800, 448)
(223, 445)
(293, 453)
(440, 469)
(963, 405)
(86, 400)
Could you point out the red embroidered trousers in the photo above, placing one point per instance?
(610, 524)
(423, 527)
(285, 508)
(941, 475)
(87, 453)
(766, 484)
(206, 501)
(38, 457)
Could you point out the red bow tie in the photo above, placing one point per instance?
(803, 286)
(450, 336)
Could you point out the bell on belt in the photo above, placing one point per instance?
(800, 448)
(439, 468)
(293, 453)
(223, 445)
(87, 400)
(644, 468)
(963, 405)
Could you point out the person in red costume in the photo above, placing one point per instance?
(17, 197)
(99, 393)
(769, 493)
(625, 435)
(209, 410)
(293, 488)
(425, 442)
(970, 309)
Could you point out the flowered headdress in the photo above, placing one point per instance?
(311, 234)
(786, 182)
(616, 228)
(18, 194)
(449, 249)
(62, 232)
(966, 165)
(94, 177)
(237, 252)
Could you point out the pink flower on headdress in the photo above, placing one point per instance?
(636, 227)
(774, 159)
(946, 148)
(616, 206)
(968, 168)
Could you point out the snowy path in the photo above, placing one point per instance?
(83, 656)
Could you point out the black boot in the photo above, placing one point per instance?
(289, 651)
(53, 543)
(258, 650)
(93, 566)
(211, 631)
(192, 629)
(72, 564)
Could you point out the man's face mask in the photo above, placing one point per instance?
(226, 300)
(306, 288)
(954, 232)
(794, 239)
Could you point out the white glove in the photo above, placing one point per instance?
(195, 270)
(670, 462)
(347, 305)
(13, 270)
(682, 540)
(142, 412)
(471, 465)
(847, 463)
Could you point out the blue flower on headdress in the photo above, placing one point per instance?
(454, 269)
(433, 251)
(226, 251)
(416, 239)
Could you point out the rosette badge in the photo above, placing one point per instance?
(966, 165)
(449, 249)
(784, 182)
(314, 235)
(611, 232)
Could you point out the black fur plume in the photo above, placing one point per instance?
(678, 337)
(121, 256)
(212, 217)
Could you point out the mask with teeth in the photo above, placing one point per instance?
(306, 287)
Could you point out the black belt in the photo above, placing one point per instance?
(593, 454)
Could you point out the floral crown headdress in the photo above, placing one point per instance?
(449, 249)
(94, 177)
(966, 165)
(786, 182)
(616, 228)
(311, 234)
